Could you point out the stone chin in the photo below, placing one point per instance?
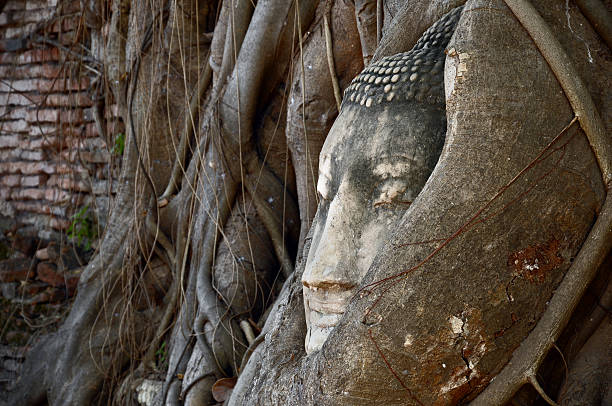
(324, 309)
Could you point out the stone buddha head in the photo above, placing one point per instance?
(377, 157)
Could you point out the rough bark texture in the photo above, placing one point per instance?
(458, 284)
(447, 327)
(311, 108)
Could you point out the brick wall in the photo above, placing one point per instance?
(53, 161)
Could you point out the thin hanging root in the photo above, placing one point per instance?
(330, 61)
(379, 20)
(271, 224)
(163, 326)
(189, 128)
(265, 183)
(530, 354)
(157, 235)
(534, 382)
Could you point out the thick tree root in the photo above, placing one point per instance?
(569, 79)
(597, 13)
(330, 61)
(189, 128)
(528, 357)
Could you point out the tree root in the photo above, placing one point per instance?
(534, 382)
(330, 61)
(569, 79)
(403, 33)
(530, 354)
(528, 357)
(248, 331)
(262, 182)
(189, 127)
(380, 16)
(599, 17)
(157, 235)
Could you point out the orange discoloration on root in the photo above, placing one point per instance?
(535, 262)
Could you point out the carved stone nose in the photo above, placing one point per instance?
(332, 261)
(325, 277)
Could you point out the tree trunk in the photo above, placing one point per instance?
(227, 105)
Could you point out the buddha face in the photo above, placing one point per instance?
(373, 164)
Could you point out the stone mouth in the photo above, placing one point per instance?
(328, 302)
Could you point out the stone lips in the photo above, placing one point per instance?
(414, 75)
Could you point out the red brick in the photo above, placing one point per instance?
(53, 115)
(8, 57)
(48, 70)
(19, 31)
(51, 85)
(32, 207)
(33, 181)
(91, 130)
(28, 167)
(47, 272)
(80, 99)
(14, 126)
(7, 155)
(39, 55)
(31, 288)
(36, 4)
(55, 195)
(43, 254)
(11, 180)
(67, 7)
(21, 16)
(14, 5)
(97, 156)
(45, 130)
(15, 99)
(16, 269)
(10, 141)
(59, 224)
(13, 113)
(71, 38)
(19, 85)
(32, 155)
(40, 220)
(86, 143)
(28, 194)
(65, 24)
(68, 182)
